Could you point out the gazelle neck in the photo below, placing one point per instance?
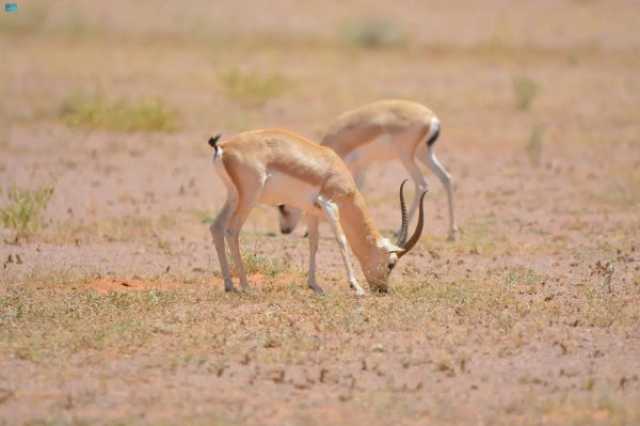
(362, 234)
(343, 140)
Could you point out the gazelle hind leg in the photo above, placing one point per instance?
(447, 181)
(312, 230)
(218, 230)
(360, 177)
(245, 204)
(331, 212)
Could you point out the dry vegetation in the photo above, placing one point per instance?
(111, 303)
(95, 112)
(23, 209)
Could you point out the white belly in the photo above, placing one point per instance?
(280, 188)
(380, 149)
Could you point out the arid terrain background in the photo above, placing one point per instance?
(112, 309)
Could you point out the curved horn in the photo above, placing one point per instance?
(417, 233)
(402, 236)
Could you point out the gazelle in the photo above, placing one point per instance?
(383, 131)
(274, 167)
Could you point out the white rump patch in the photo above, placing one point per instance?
(217, 153)
(434, 128)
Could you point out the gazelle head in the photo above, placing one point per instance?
(387, 254)
(288, 217)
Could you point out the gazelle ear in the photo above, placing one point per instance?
(395, 249)
(391, 247)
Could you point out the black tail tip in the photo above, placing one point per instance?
(213, 141)
(434, 137)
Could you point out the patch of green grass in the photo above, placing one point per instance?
(23, 210)
(121, 115)
(525, 91)
(534, 145)
(373, 34)
(252, 88)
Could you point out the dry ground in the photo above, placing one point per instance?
(111, 303)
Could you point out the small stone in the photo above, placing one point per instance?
(378, 347)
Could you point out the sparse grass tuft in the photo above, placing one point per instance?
(118, 115)
(601, 307)
(480, 237)
(622, 190)
(534, 145)
(373, 34)
(525, 90)
(251, 88)
(24, 209)
(78, 315)
(255, 263)
(203, 216)
(603, 408)
(116, 229)
(522, 276)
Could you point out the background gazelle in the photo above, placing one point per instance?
(384, 131)
(278, 167)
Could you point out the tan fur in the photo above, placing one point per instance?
(362, 125)
(284, 151)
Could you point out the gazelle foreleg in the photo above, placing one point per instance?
(312, 231)
(332, 214)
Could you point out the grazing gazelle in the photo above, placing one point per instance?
(384, 131)
(274, 167)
